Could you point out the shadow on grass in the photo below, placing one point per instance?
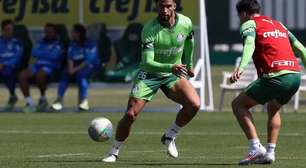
(131, 163)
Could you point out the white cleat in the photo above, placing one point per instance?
(110, 159)
(254, 156)
(268, 158)
(84, 105)
(57, 105)
(171, 148)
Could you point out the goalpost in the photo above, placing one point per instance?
(202, 80)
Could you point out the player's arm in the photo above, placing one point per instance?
(297, 45)
(248, 32)
(188, 51)
(150, 64)
(148, 38)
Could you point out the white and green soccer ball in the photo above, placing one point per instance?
(100, 129)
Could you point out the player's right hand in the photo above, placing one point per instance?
(180, 70)
(235, 76)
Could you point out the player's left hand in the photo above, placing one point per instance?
(235, 76)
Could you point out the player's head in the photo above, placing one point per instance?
(50, 31)
(78, 33)
(166, 9)
(247, 8)
(7, 27)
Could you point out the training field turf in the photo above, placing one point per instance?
(60, 140)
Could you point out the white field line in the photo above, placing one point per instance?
(61, 155)
(136, 133)
(239, 157)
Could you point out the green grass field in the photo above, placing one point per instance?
(60, 140)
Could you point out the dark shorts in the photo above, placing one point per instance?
(281, 88)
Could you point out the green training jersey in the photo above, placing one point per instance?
(163, 47)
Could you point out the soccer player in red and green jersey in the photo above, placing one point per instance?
(270, 44)
(164, 41)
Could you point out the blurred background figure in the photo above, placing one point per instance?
(10, 55)
(48, 54)
(82, 61)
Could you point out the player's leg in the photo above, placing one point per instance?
(24, 83)
(258, 92)
(82, 80)
(134, 107)
(142, 92)
(183, 93)
(241, 106)
(8, 75)
(289, 84)
(61, 90)
(42, 83)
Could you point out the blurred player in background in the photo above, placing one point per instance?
(164, 40)
(270, 44)
(82, 61)
(10, 56)
(48, 55)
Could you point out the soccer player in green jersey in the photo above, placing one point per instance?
(164, 41)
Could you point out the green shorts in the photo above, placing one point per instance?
(281, 88)
(146, 85)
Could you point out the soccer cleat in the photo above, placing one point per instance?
(42, 105)
(268, 158)
(110, 158)
(170, 143)
(11, 103)
(57, 105)
(28, 108)
(83, 106)
(254, 156)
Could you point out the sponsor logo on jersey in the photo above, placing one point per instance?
(269, 21)
(282, 63)
(275, 34)
(171, 51)
(180, 38)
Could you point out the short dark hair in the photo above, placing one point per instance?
(248, 6)
(79, 28)
(156, 1)
(6, 22)
(50, 25)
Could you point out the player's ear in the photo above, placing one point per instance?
(174, 6)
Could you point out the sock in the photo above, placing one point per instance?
(172, 131)
(254, 143)
(29, 100)
(116, 147)
(270, 147)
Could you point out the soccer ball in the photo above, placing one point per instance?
(100, 129)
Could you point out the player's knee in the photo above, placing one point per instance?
(41, 76)
(195, 106)
(23, 76)
(131, 115)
